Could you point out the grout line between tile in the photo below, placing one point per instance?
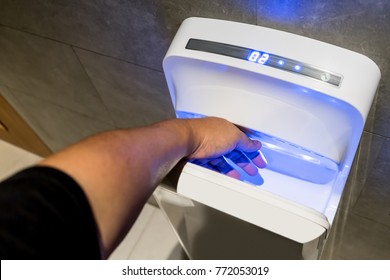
(116, 58)
(78, 47)
(94, 86)
(11, 89)
(376, 134)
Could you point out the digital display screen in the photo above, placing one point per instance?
(266, 59)
(258, 57)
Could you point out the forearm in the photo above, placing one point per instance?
(119, 170)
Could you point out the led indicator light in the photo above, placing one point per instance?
(263, 59)
(281, 62)
(254, 55)
(298, 67)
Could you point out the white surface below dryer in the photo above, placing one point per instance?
(305, 100)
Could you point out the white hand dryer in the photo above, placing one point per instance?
(305, 100)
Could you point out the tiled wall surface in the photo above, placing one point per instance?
(73, 68)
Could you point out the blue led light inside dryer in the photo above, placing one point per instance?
(285, 158)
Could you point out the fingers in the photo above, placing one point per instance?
(245, 144)
(225, 168)
(219, 165)
(242, 161)
(249, 162)
(257, 158)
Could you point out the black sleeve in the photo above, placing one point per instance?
(44, 214)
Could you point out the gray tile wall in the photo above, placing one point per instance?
(73, 68)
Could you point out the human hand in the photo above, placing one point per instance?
(218, 141)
